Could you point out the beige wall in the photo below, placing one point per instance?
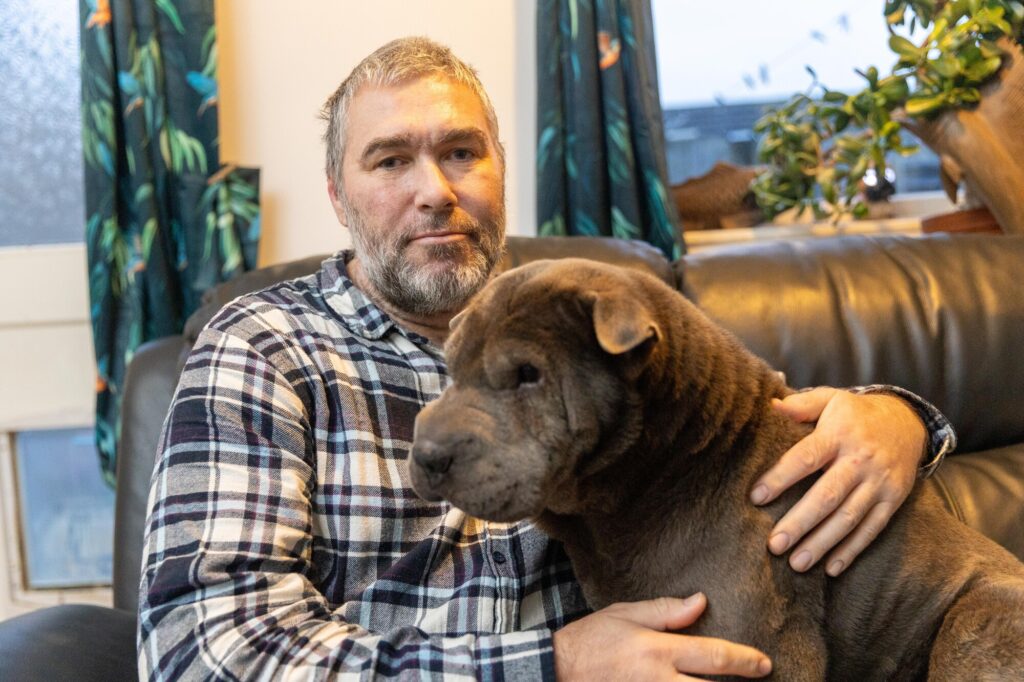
(278, 65)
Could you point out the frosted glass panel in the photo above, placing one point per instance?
(41, 194)
(67, 511)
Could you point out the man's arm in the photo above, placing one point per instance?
(871, 443)
(227, 586)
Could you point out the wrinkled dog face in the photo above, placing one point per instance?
(531, 390)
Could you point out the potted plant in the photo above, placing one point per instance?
(959, 89)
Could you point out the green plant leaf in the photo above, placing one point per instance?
(981, 70)
(989, 49)
(895, 16)
(946, 66)
(904, 47)
(920, 106)
(894, 89)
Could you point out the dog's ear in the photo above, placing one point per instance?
(622, 323)
(457, 320)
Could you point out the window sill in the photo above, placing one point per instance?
(906, 214)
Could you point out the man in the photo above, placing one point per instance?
(284, 537)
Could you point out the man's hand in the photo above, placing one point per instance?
(629, 641)
(869, 446)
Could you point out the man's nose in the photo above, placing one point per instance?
(433, 190)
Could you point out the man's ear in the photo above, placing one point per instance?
(622, 323)
(337, 203)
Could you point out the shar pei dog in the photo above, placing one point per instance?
(601, 403)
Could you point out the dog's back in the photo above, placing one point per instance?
(928, 588)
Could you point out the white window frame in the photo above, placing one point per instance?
(49, 383)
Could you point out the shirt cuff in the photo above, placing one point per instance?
(941, 436)
(528, 656)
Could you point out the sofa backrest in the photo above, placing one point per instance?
(941, 315)
(518, 250)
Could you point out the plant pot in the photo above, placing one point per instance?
(973, 220)
(984, 145)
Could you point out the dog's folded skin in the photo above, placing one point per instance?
(605, 405)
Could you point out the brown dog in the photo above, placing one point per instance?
(602, 403)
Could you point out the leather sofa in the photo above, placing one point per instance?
(941, 315)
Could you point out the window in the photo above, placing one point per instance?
(67, 511)
(721, 64)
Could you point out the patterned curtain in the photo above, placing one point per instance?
(600, 151)
(163, 221)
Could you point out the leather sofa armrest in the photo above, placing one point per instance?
(985, 490)
(148, 389)
(70, 642)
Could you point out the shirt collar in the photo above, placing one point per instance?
(355, 309)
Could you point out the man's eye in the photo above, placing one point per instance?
(463, 154)
(527, 374)
(390, 163)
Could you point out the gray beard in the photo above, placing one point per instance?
(416, 290)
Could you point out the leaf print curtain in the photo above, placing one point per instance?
(163, 221)
(600, 152)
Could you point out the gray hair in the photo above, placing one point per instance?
(398, 61)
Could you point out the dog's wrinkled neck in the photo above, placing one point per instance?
(697, 413)
(692, 411)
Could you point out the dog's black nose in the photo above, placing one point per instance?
(434, 459)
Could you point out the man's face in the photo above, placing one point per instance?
(423, 193)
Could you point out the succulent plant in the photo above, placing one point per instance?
(820, 145)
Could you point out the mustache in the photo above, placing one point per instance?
(440, 223)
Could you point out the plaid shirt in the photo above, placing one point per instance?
(284, 538)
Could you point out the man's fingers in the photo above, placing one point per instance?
(823, 498)
(809, 455)
(857, 541)
(805, 406)
(833, 527)
(664, 613)
(710, 656)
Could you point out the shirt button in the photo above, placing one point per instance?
(498, 557)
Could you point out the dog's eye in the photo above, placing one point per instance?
(527, 374)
